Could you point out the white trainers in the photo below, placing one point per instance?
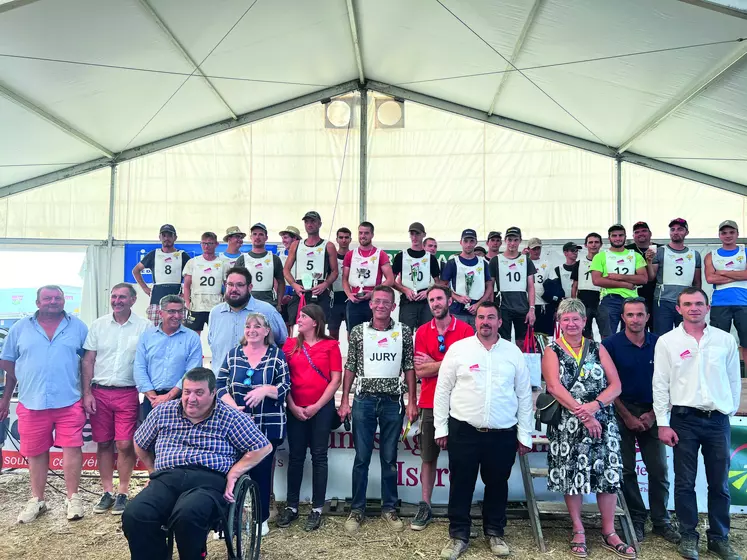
(75, 507)
(265, 529)
(34, 508)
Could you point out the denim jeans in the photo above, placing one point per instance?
(713, 437)
(610, 315)
(370, 409)
(309, 434)
(666, 317)
(654, 455)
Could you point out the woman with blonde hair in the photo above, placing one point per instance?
(254, 379)
(315, 365)
(584, 452)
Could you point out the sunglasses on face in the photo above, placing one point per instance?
(441, 343)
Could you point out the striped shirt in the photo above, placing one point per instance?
(215, 443)
(237, 377)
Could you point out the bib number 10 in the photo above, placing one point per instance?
(514, 276)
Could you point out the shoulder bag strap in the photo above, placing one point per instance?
(313, 365)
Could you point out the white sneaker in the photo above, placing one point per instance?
(265, 529)
(34, 508)
(75, 507)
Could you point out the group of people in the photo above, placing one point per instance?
(453, 337)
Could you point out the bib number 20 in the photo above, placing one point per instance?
(207, 281)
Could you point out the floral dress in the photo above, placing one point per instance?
(577, 463)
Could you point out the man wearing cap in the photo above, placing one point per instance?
(339, 297)
(311, 268)
(166, 265)
(582, 287)
(617, 271)
(235, 239)
(362, 269)
(494, 242)
(514, 277)
(414, 272)
(266, 268)
(203, 283)
(641, 244)
(287, 236)
(430, 245)
(469, 279)
(544, 311)
(564, 271)
(674, 267)
(726, 269)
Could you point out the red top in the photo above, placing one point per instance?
(383, 259)
(426, 341)
(307, 386)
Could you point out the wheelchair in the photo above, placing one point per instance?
(241, 526)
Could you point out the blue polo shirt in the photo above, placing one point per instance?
(635, 366)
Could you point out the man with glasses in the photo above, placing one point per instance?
(166, 266)
(203, 283)
(164, 354)
(266, 268)
(379, 352)
(235, 239)
(433, 340)
(227, 319)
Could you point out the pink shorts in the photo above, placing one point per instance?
(116, 414)
(37, 428)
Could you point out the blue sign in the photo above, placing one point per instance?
(135, 252)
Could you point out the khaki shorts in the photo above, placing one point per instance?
(429, 449)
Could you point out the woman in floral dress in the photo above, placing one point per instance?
(584, 452)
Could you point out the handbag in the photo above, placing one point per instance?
(336, 421)
(548, 408)
(532, 358)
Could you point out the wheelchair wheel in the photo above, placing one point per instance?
(244, 531)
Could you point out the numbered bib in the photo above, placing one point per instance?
(620, 263)
(565, 280)
(337, 284)
(513, 273)
(168, 267)
(679, 268)
(416, 272)
(207, 276)
(542, 274)
(735, 262)
(470, 280)
(262, 269)
(364, 270)
(310, 260)
(584, 276)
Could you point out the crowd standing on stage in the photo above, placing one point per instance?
(660, 377)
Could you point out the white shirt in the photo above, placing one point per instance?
(115, 346)
(704, 375)
(485, 388)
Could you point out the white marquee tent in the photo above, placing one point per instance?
(119, 115)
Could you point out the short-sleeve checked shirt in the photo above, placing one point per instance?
(237, 377)
(215, 443)
(355, 361)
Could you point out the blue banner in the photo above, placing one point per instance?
(134, 253)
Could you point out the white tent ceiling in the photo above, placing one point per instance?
(98, 81)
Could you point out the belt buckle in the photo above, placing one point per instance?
(483, 430)
(707, 413)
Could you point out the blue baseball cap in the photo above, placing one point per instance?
(467, 233)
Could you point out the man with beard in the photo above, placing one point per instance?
(266, 268)
(235, 239)
(617, 271)
(166, 266)
(632, 352)
(469, 279)
(482, 428)
(227, 319)
(582, 287)
(311, 268)
(433, 340)
(674, 267)
(642, 245)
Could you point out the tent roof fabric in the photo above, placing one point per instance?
(83, 81)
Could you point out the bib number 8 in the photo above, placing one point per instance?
(167, 269)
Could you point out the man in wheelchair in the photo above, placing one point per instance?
(195, 450)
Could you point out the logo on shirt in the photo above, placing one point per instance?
(620, 261)
(373, 259)
(167, 259)
(383, 343)
(208, 269)
(395, 334)
(310, 253)
(521, 260)
(474, 368)
(318, 250)
(689, 256)
(267, 261)
(258, 265)
(679, 261)
(729, 263)
(543, 266)
(740, 258)
(512, 266)
(17, 299)
(630, 257)
(686, 354)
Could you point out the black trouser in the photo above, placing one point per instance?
(517, 319)
(186, 500)
(493, 454)
(312, 434)
(592, 312)
(545, 319)
(654, 456)
(414, 313)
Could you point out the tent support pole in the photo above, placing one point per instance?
(363, 131)
(110, 232)
(618, 190)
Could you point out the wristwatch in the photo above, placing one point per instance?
(601, 404)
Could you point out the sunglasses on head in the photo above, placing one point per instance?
(441, 343)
